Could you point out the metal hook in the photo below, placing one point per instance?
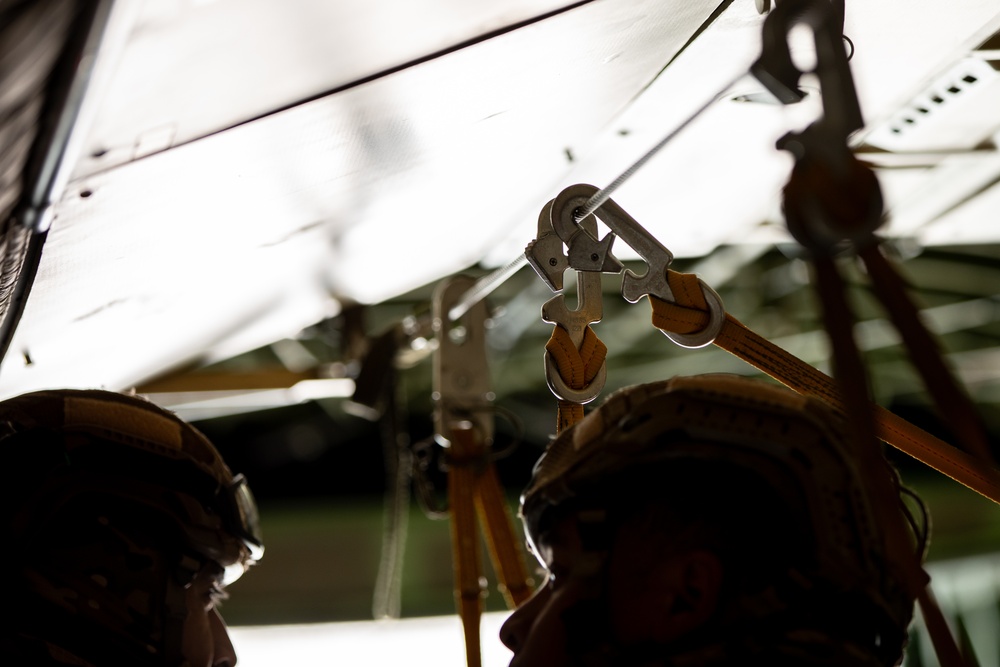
(545, 252)
(461, 377)
(589, 309)
(586, 253)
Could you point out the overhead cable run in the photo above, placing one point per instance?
(484, 286)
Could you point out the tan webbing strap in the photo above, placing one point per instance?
(466, 452)
(474, 491)
(576, 367)
(498, 531)
(690, 314)
(945, 648)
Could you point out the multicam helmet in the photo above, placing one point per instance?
(112, 504)
(796, 445)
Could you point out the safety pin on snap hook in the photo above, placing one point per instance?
(586, 253)
(545, 252)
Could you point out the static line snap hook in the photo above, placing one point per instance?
(561, 391)
(711, 331)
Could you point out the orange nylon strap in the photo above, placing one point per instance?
(576, 367)
(466, 453)
(690, 314)
(498, 523)
(474, 491)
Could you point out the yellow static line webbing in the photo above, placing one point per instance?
(464, 539)
(474, 491)
(576, 367)
(690, 314)
(503, 546)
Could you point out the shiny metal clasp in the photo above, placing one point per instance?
(589, 308)
(588, 254)
(546, 256)
(545, 252)
(462, 391)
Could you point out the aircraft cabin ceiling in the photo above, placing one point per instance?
(244, 173)
(243, 209)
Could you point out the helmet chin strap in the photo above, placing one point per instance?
(176, 609)
(590, 635)
(592, 642)
(588, 621)
(590, 639)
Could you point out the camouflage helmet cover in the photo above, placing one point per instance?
(112, 505)
(100, 428)
(799, 445)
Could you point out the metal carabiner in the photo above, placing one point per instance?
(545, 254)
(586, 253)
(461, 375)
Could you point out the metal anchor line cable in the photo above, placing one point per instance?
(601, 196)
(485, 285)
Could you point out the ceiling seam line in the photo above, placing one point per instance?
(706, 24)
(395, 69)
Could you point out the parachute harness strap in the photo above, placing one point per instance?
(475, 496)
(832, 202)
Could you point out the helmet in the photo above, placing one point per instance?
(796, 446)
(112, 505)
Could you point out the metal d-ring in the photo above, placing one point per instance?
(716, 318)
(561, 391)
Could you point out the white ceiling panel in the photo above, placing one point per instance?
(255, 165)
(193, 67)
(193, 252)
